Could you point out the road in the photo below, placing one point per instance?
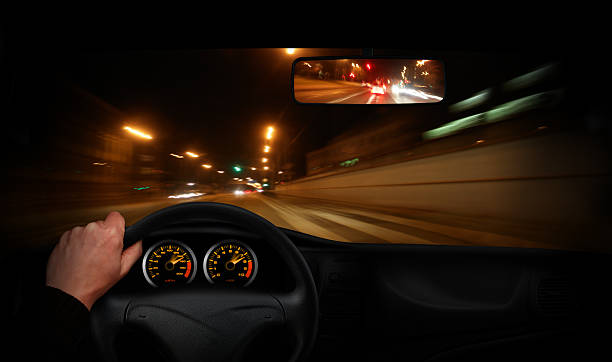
(353, 93)
(327, 219)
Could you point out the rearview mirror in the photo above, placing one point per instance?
(368, 80)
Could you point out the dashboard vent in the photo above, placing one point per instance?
(555, 296)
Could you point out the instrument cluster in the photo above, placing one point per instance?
(170, 262)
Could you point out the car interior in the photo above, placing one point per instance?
(223, 280)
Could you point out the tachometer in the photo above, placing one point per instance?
(169, 262)
(230, 262)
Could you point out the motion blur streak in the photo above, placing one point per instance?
(505, 163)
(138, 133)
(185, 196)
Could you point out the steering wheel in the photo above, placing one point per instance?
(211, 325)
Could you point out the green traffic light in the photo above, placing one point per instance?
(237, 168)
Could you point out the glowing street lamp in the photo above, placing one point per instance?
(266, 149)
(266, 168)
(220, 171)
(264, 160)
(176, 156)
(290, 51)
(191, 154)
(207, 166)
(269, 132)
(138, 133)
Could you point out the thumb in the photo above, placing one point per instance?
(129, 257)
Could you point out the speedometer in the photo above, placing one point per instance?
(169, 262)
(230, 262)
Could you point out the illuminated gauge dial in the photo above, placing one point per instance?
(230, 262)
(169, 262)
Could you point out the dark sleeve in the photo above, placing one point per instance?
(65, 326)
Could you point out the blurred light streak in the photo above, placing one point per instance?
(474, 101)
(177, 156)
(137, 133)
(531, 78)
(499, 113)
(454, 126)
(191, 154)
(538, 100)
(185, 196)
(269, 133)
(414, 92)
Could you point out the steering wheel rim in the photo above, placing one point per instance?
(297, 309)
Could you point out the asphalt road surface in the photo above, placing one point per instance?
(351, 93)
(327, 219)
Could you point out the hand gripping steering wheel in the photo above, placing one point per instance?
(211, 325)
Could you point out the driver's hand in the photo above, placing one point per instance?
(89, 260)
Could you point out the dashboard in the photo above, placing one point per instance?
(444, 297)
(227, 258)
(170, 262)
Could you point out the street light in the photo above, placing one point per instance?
(219, 171)
(191, 154)
(266, 149)
(264, 160)
(269, 133)
(290, 51)
(207, 166)
(138, 133)
(176, 156)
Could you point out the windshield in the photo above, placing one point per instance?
(516, 154)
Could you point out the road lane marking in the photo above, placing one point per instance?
(349, 97)
(297, 221)
(380, 232)
(472, 236)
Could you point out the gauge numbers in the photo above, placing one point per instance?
(230, 262)
(169, 262)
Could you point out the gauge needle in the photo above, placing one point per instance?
(237, 260)
(176, 259)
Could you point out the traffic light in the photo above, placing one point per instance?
(237, 168)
